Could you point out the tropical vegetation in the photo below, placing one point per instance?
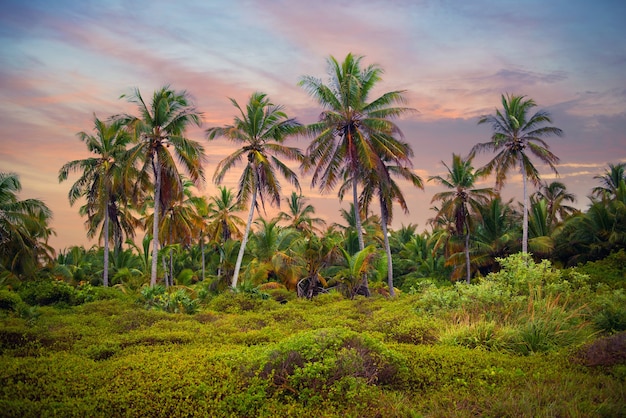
(221, 309)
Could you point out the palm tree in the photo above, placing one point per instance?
(102, 183)
(162, 147)
(515, 134)
(180, 223)
(352, 133)
(273, 255)
(24, 229)
(556, 196)
(381, 183)
(261, 128)
(223, 223)
(299, 215)
(497, 235)
(462, 200)
(610, 181)
(353, 267)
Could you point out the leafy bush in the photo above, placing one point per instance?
(308, 365)
(609, 308)
(48, 292)
(238, 302)
(610, 271)
(173, 300)
(9, 300)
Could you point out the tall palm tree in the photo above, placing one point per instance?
(610, 181)
(102, 183)
(24, 229)
(180, 223)
(352, 133)
(380, 182)
(462, 199)
(556, 196)
(516, 135)
(261, 128)
(162, 146)
(300, 215)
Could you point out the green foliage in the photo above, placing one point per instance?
(240, 301)
(609, 307)
(173, 299)
(311, 366)
(48, 292)
(250, 356)
(9, 300)
(610, 270)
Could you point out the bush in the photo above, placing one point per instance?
(308, 365)
(173, 299)
(237, 302)
(48, 292)
(610, 271)
(9, 301)
(610, 310)
(608, 351)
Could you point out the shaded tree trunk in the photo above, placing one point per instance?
(468, 270)
(525, 215)
(105, 273)
(384, 219)
(244, 240)
(155, 222)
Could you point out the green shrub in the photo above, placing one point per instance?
(102, 351)
(609, 308)
(610, 271)
(48, 292)
(308, 365)
(85, 293)
(9, 300)
(237, 302)
(173, 299)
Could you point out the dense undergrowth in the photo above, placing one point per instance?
(527, 341)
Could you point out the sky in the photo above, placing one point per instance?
(62, 61)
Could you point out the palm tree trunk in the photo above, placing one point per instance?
(202, 252)
(383, 215)
(171, 266)
(105, 273)
(467, 256)
(155, 222)
(165, 278)
(525, 215)
(357, 214)
(242, 249)
(171, 256)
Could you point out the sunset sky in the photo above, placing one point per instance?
(63, 61)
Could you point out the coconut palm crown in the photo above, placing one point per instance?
(518, 134)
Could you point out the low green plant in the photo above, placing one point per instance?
(9, 300)
(48, 292)
(307, 366)
(174, 299)
(610, 271)
(609, 307)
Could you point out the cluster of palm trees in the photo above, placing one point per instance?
(144, 171)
